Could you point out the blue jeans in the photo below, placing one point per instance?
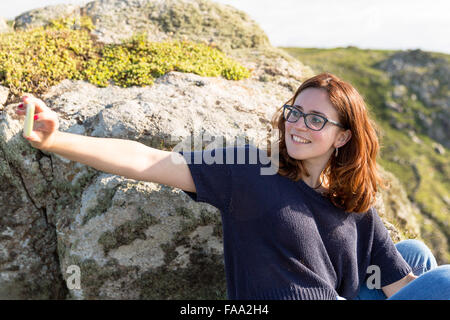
(433, 282)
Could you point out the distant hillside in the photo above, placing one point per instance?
(408, 93)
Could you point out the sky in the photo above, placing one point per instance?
(381, 24)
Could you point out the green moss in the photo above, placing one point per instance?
(25, 288)
(139, 62)
(93, 276)
(204, 278)
(184, 212)
(104, 202)
(33, 60)
(69, 195)
(127, 232)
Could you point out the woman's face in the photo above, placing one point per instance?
(321, 144)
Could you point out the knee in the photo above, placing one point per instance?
(418, 253)
(413, 244)
(440, 275)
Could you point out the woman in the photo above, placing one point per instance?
(307, 232)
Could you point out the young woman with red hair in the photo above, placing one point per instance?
(329, 141)
(308, 231)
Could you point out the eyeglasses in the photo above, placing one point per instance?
(312, 121)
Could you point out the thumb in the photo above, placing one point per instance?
(33, 137)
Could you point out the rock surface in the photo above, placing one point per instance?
(4, 26)
(42, 16)
(4, 92)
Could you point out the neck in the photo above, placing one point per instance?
(313, 180)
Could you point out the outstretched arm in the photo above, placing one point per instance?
(127, 158)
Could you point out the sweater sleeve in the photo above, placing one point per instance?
(385, 255)
(211, 175)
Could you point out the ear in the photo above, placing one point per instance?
(343, 138)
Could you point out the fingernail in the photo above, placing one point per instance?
(36, 117)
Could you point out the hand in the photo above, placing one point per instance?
(45, 127)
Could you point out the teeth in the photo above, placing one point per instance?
(297, 139)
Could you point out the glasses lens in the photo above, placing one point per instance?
(314, 122)
(291, 114)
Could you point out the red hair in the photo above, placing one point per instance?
(352, 175)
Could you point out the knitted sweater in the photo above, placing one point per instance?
(282, 239)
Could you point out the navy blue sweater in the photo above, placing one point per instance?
(282, 239)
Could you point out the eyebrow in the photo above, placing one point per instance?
(300, 107)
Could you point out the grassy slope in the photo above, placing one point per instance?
(424, 174)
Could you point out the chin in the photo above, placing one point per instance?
(295, 154)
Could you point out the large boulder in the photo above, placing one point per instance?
(131, 239)
(42, 16)
(197, 20)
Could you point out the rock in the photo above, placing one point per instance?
(29, 268)
(42, 16)
(394, 206)
(394, 106)
(4, 92)
(4, 26)
(119, 230)
(196, 20)
(438, 148)
(399, 91)
(414, 137)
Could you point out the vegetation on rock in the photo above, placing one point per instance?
(35, 59)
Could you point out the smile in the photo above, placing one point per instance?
(297, 139)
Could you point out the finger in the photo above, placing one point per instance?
(44, 122)
(32, 137)
(40, 106)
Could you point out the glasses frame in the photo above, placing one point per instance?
(302, 114)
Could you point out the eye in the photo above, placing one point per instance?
(316, 120)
